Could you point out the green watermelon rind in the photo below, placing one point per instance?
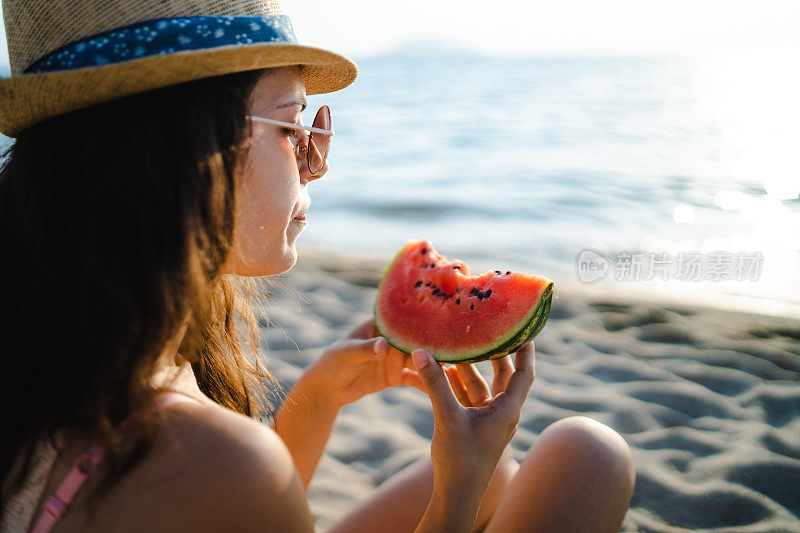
(530, 328)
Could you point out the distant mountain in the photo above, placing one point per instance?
(430, 48)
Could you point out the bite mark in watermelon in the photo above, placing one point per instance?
(424, 301)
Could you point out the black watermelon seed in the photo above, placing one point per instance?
(417, 284)
(497, 272)
(473, 291)
(424, 251)
(488, 293)
(457, 267)
(435, 291)
(508, 272)
(458, 301)
(427, 284)
(480, 296)
(472, 306)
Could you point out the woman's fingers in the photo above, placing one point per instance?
(521, 380)
(503, 369)
(436, 384)
(477, 388)
(407, 362)
(367, 349)
(458, 386)
(410, 378)
(357, 351)
(379, 346)
(364, 330)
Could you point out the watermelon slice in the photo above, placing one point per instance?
(424, 301)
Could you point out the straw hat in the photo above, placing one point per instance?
(70, 54)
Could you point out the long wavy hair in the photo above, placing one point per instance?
(115, 223)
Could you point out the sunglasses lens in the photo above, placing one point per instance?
(319, 144)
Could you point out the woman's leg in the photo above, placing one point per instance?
(399, 503)
(579, 476)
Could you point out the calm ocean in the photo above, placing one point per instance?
(528, 162)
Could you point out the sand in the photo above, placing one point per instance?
(708, 399)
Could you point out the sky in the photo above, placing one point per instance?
(362, 28)
(566, 27)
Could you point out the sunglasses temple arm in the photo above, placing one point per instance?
(320, 131)
(292, 125)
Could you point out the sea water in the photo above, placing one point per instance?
(530, 162)
(575, 168)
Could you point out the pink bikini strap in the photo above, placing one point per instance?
(57, 503)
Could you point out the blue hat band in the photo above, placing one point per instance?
(165, 36)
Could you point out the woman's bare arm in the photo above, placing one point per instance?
(304, 422)
(359, 364)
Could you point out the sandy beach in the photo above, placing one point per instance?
(708, 399)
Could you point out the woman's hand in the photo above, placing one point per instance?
(360, 364)
(469, 386)
(348, 369)
(472, 426)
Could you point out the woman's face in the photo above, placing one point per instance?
(274, 187)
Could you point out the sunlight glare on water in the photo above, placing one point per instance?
(526, 162)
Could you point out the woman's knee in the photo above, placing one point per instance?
(587, 447)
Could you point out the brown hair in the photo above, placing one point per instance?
(115, 224)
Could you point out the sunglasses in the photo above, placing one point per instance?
(316, 149)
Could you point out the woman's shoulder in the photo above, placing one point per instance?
(223, 441)
(228, 470)
(210, 469)
(203, 429)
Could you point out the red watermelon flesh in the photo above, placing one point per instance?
(425, 301)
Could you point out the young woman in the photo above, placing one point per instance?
(138, 199)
